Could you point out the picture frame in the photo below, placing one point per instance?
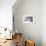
(28, 19)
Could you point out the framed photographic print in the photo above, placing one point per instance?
(28, 19)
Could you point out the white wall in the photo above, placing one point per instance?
(6, 13)
(43, 22)
(36, 8)
(29, 7)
